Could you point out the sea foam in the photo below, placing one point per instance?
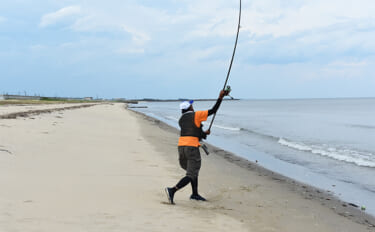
(359, 158)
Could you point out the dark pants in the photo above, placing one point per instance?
(190, 160)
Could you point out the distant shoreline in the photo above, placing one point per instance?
(249, 99)
(179, 100)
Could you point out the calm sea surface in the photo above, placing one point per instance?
(328, 143)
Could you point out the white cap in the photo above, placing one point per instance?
(185, 105)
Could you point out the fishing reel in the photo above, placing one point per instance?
(227, 91)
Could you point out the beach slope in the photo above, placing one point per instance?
(103, 168)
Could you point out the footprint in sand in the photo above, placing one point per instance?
(2, 125)
(6, 151)
(245, 188)
(153, 165)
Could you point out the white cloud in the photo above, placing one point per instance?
(137, 46)
(204, 53)
(193, 18)
(278, 19)
(275, 30)
(138, 37)
(60, 15)
(100, 16)
(122, 21)
(210, 18)
(87, 23)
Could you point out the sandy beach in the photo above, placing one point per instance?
(104, 168)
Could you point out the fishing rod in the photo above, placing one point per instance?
(227, 88)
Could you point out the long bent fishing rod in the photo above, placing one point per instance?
(231, 61)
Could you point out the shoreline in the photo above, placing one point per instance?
(308, 192)
(104, 168)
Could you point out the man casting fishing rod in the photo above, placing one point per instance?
(188, 145)
(192, 133)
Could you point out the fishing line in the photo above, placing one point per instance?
(231, 61)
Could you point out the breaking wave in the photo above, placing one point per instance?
(173, 118)
(360, 158)
(227, 128)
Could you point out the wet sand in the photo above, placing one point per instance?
(257, 195)
(103, 168)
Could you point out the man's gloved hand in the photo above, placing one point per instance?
(225, 92)
(222, 94)
(207, 132)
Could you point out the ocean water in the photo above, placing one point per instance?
(327, 143)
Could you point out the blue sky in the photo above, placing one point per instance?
(182, 48)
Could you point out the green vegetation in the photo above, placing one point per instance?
(62, 100)
(42, 101)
